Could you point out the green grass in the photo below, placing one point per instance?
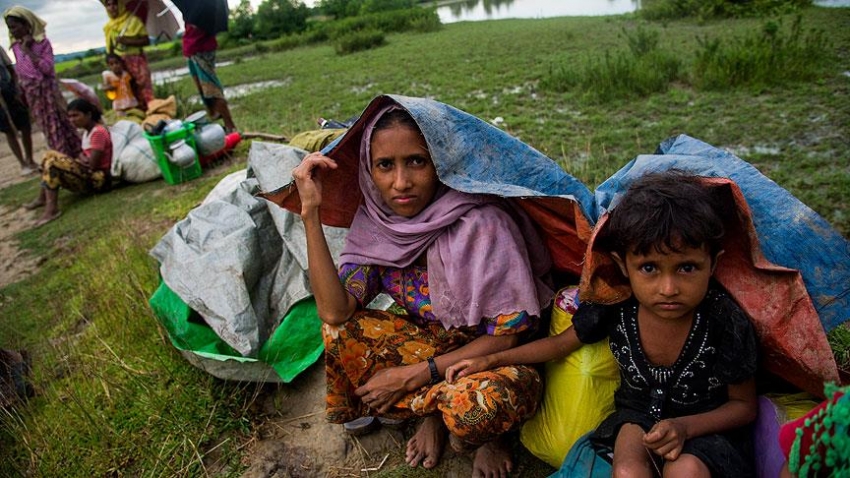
(115, 399)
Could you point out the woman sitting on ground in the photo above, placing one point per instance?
(89, 173)
(468, 269)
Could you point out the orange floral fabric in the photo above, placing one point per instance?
(476, 408)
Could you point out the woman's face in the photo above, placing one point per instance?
(402, 170)
(79, 119)
(112, 8)
(17, 28)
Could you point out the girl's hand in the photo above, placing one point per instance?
(308, 179)
(385, 388)
(467, 367)
(666, 439)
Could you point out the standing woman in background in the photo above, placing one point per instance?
(125, 36)
(37, 79)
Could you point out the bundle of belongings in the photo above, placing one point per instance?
(778, 271)
(252, 317)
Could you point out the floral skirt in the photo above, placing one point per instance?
(59, 170)
(137, 65)
(476, 409)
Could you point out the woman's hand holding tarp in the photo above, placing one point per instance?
(334, 304)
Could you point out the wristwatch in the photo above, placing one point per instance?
(435, 374)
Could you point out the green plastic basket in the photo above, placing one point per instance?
(172, 173)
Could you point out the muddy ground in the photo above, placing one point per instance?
(290, 435)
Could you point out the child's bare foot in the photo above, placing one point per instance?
(492, 459)
(427, 443)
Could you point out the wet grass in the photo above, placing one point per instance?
(115, 399)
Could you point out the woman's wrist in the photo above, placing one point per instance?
(420, 377)
(309, 213)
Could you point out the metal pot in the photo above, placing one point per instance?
(172, 125)
(210, 139)
(198, 118)
(181, 154)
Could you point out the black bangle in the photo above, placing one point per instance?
(435, 374)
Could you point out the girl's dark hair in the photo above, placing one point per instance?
(664, 211)
(85, 107)
(115, 56)
(397, 117)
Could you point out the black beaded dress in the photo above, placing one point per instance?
(721, 349)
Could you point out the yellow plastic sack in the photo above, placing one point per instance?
(791, 406)
(579, 391)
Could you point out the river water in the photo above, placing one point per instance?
(478, 10)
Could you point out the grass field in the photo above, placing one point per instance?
(115, 399)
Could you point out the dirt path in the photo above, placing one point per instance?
(15, 264)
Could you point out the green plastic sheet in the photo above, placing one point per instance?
(293, 346)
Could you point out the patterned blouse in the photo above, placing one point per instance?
(408, 287)
(37, 67)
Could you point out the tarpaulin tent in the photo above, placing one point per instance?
(480, 158)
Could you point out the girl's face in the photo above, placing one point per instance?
(669, 285)
(402, 170)
(79, 119)
(17, 28)
(115, 66)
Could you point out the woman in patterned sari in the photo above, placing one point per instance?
(469, 272)
(37, 79)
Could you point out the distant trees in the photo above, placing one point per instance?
(273, 19)
(276, 18)
(351, 8)
(242, 21)
(281, 17)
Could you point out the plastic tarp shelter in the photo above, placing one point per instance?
(785, 238)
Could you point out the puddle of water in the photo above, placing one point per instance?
(237, 91)
(170, 76)
(832, 3)
(248, 88)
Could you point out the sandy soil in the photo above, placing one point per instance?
(14, 263)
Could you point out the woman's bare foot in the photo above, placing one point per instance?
(427, 444)
(47, 218)
(34, 204)
(492, 459)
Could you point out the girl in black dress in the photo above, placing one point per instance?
(686, 351)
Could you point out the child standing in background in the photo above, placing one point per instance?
(120, 85)
(686, 351)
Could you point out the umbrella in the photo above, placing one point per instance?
(208, 15)
(158, 19)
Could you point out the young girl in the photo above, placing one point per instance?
(120, 85)
(88, 173)
(686, 351)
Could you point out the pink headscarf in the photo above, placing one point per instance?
(485, 258)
